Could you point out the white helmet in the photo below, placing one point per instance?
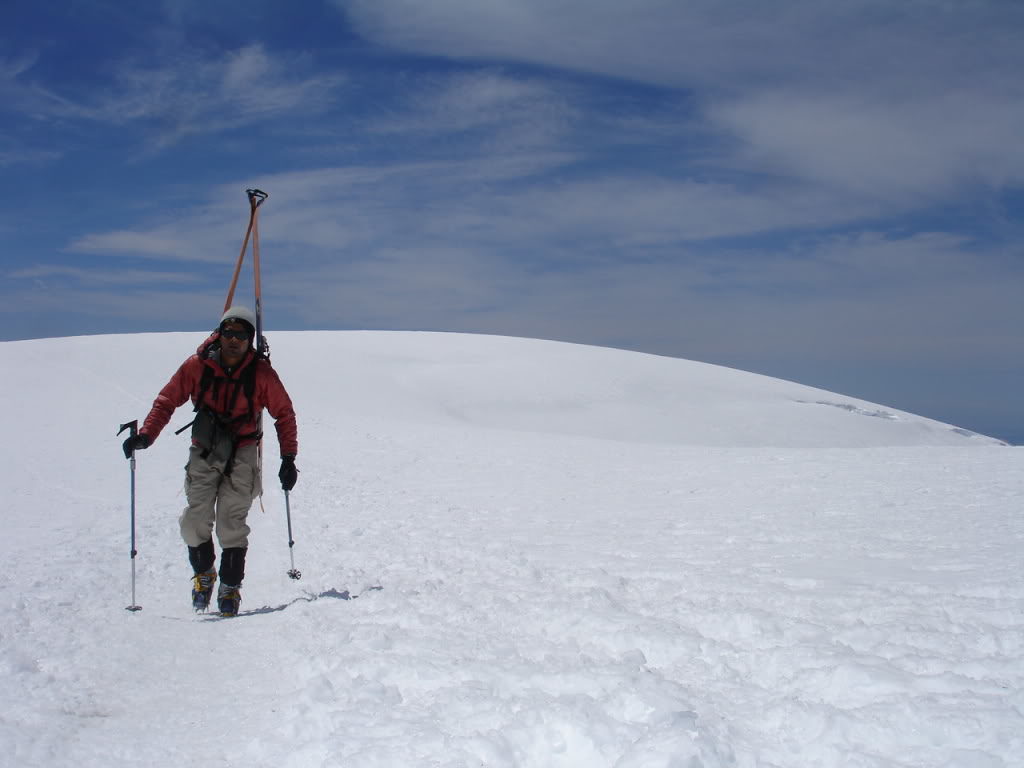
(240, 314)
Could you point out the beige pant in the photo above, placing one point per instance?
(214, 498)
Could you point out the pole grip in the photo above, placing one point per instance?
(133, 429)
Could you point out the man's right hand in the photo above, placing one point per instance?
(133, 444)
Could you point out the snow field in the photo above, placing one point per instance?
(482, 587)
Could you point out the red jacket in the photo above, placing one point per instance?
(269, 393)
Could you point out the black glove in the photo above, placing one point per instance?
(288, 474)
(133, 444)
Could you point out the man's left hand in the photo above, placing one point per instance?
(288, 474)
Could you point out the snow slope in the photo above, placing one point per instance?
(515, 553)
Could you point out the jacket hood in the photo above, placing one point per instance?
(202, 349)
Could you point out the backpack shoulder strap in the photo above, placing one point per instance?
(249, 382)
(204, 385)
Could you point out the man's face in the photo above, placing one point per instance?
(234, 342)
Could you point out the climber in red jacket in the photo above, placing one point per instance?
(229, 385)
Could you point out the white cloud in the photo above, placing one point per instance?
(11, 69)
(621, 261)
(710, 44)
(188, 93)
(100, 276)
(497, 205)
(85, 308)
(472, 100)
(920, 148)
(161, 243)
(625, 211)
(26, 156)
(902, 102)
(245, 69)
(866, 299)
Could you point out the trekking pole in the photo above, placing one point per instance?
(133, 427)
(292, 574)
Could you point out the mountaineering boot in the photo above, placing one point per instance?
(228, 599)
(202, 590)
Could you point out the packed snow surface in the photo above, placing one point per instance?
(515, 553)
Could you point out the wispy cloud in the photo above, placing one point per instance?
(212, 95)
(709, 45)
(840, 300)
(501, 204)
(509, 113)
(72, 309)
(165, 241)
(27, 156)
(918, 149)
(189, 93)
(902, 102)
(42, 273)
(362, 247)
(12, 68)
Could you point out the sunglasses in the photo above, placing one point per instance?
(227, 333)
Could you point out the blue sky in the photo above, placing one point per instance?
(826, 192)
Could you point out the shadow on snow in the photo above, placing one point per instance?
(309, 597)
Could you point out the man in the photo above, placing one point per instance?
(230, 385)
